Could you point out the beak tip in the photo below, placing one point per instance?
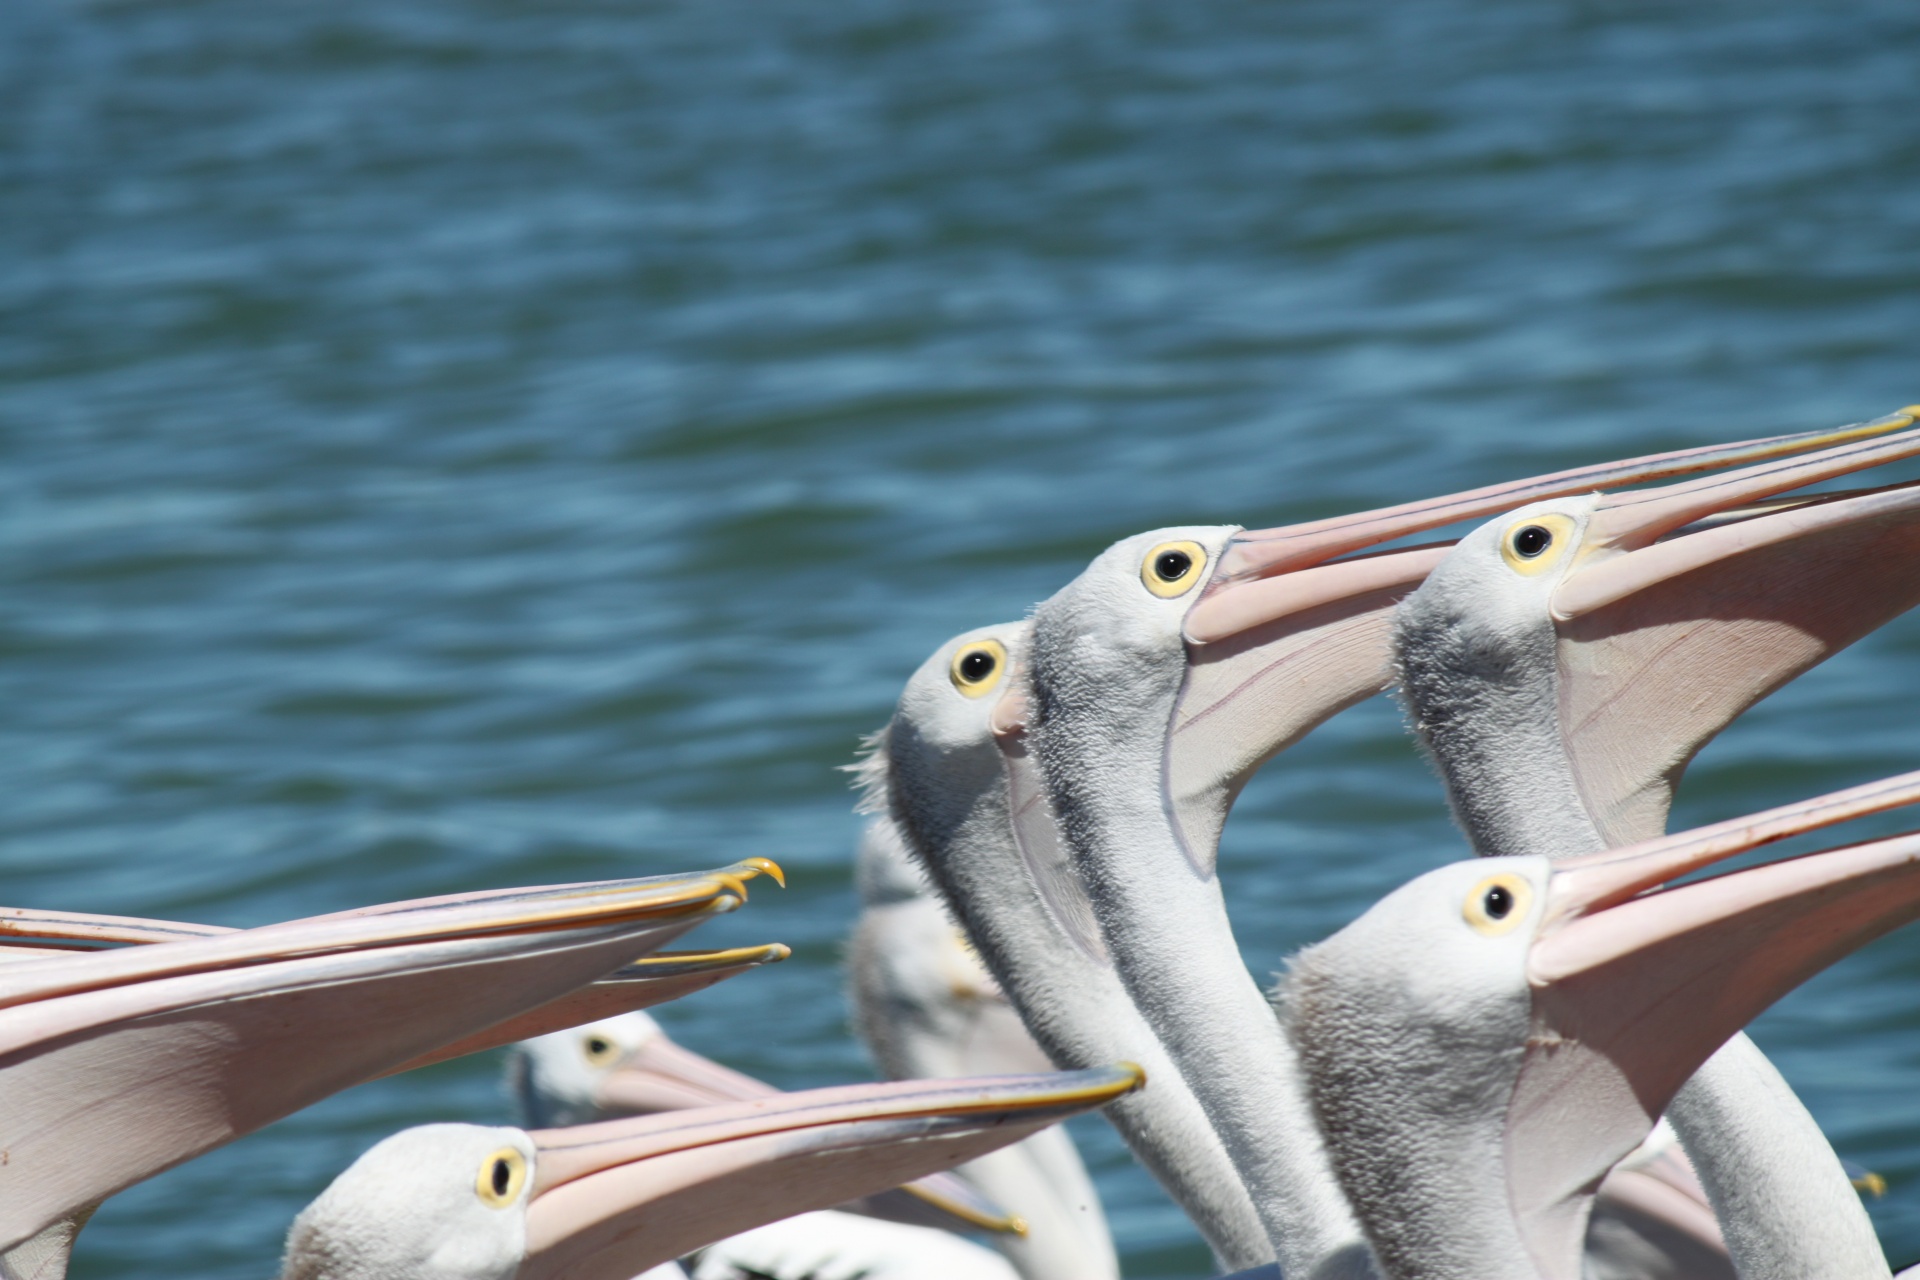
(770, 868)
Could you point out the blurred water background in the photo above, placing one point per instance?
(461, 444)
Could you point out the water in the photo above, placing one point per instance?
(467, 444)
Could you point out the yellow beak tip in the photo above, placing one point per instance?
(770, 868)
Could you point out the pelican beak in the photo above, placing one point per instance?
(648, 981)
(1635, 985)
(611, 1200)
(662, 1076)
(1284, 636)
(1265, 575)
(1666, 632)
(119, 1064)
(1266, 553)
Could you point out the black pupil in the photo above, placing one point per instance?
(597, 1046)
(976, 666)
(1531, 541)
(1172, 565)
(1498, 902)
(501, 1177)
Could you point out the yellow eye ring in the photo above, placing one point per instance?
(503, 1175)
(1531, 545)
(599, 1050)
(1173, 568)
(976, 668)
(1498, 903)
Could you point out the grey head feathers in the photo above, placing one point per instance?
(1476, 668)
(1108, 659)
(940, 758)
(1411, 1027)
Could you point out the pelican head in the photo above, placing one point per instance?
(1484, 1044)
(937, 755)
(620, 1066)
(370, 1221)
(609, 1200)
(1565, 661)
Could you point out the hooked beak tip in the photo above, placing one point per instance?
(770, 869)
(735, 877)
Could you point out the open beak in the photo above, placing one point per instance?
(115, 1065)
(1285, 636)
(1666, 633)
(1635, 985)
(652, 979)
(610, 1200)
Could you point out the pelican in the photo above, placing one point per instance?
(1158, 681)
(604, 1201)
(940, 772)
(1563, 665)
(116, 1065)
(1488, 1040)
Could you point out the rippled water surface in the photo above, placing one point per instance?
(458, 445)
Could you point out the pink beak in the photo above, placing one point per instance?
(648, 981)
(610, 1200)
(115, 1065)
(1665, 635)
(661, 1076)
(1268, 553)
(1635, 985)
(1285, 636)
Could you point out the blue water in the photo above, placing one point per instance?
(450, 445)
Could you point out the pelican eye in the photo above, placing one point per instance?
(1532, 544)
(1497, 903)
(598, 1050)
(1530, 540)
(502, 1177)
(1173, 568)
(977, 667)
